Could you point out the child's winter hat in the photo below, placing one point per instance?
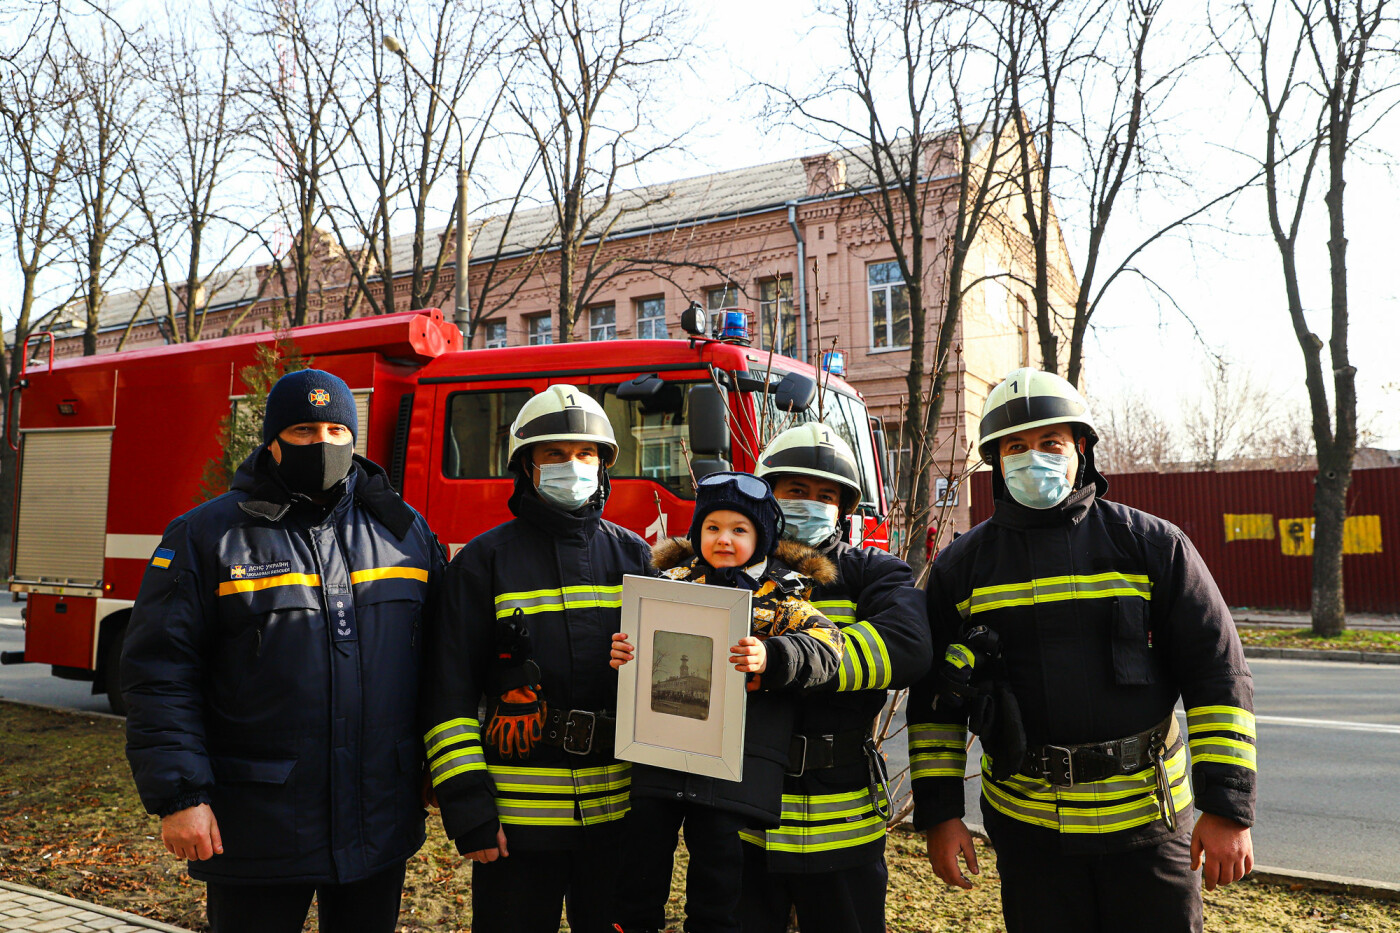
(743, 493)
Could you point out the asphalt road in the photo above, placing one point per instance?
(1329, 753)
(1329, 768)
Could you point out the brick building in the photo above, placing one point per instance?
(728, 239)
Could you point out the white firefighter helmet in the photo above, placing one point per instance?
(563, 413)
(1029, 398)
(813, 449)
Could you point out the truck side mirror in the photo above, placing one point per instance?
(795, 393)
(709, 424)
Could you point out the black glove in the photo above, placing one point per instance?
(995, 717)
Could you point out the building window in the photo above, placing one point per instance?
(495, 334)
(777, 320)
(602, 323)
(651, 319)
(541, 330)
(725, 296)
(889, 306)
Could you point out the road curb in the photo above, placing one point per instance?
(1310, 654)
(130, 919)
(61, 709)
(1334, 884)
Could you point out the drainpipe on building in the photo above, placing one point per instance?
(801, 281)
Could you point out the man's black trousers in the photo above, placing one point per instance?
(712, 880)
(1151, 889)
(526, 892)
(851, 900)
(368, 906)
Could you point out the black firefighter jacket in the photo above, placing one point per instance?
(835, 818)
(271, 670)
(563, 572)
(804, 651)
(1106, 616)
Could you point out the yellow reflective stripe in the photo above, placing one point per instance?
(1220, 719)
(820, 839)
(864, 642)
(467, 758)
(1056, 589)
(1033, 812)
(229, 587)
(1223, 751)
(938, 764)
(840, 611)
(937, 735)
(389, 573)
(449, 733)
(960, 656)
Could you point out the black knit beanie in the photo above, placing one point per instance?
(309, 395)
(763, 511)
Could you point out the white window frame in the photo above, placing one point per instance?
(782, 306)
(888, 289)
(536, 332)
(650, 323)
(495, 341)
(605, 329)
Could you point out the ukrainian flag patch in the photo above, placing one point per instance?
(162, 558)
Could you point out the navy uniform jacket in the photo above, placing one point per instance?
(835, 818)
(1106, 615)
(563, 571)
(270, 670)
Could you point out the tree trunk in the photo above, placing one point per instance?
(1329, 514)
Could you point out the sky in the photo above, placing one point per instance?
(1225, 278)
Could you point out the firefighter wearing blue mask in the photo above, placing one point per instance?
(827, 858)
(530, 791)
(1068, 628)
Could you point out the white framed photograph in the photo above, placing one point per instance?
(680, 703)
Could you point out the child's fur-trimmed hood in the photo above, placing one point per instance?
(673, 552)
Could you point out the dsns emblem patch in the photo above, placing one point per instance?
(319, 397)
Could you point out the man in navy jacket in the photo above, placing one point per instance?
(271, 677)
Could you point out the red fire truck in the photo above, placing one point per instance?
(113, 447)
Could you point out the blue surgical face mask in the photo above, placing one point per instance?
(1036, 479)
(808, 521)
(568, 485)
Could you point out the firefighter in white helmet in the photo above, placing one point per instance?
(827, 858)
(1069, 627)
(532, 792)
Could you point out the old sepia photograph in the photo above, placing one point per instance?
(680, 674)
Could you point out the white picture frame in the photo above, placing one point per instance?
(672, 712)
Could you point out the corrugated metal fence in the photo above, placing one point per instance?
(1254, 530)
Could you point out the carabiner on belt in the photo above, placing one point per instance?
(879, 780)
(1165, 804)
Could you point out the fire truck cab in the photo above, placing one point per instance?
(113, 447)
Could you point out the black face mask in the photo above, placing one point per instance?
(314, 469)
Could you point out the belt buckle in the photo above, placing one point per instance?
(802, 765)
(1058, 762)
(1130, 757)
(573, 721)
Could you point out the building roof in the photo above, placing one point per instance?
(660, 206)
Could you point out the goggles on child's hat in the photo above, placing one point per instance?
(746, 483)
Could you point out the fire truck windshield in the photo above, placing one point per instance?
(844, 414)
(651, 435)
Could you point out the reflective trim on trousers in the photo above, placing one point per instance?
(804, 839)
(865, 663)
(1056, 589)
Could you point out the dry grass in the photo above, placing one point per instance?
(70, 822)
(1350, 640)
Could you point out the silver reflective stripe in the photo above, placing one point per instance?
(605, 778)
(823, 838)
(1223, 751)
(1220, 719)
(939, 763)
(937, 735)
(840, 611)
(451, 733)
(937, 750)
(1056, 589)
(865, 664)
(605, 809)
(533, 780)
(536, 812)
(468, 757)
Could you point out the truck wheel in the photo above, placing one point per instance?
(111, 670)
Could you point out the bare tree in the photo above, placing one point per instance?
(292, 55)
(932, 157)
(1136, 438)
(35, 145)
(181, 183)
(108, 129)
(585, 100)
(1229, 418)
(402, 135)
(1317, 70)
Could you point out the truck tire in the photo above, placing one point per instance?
(111, 669)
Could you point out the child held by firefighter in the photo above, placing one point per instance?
(735, 540)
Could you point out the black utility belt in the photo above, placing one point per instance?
(1063, 765)
(579, 731)
(819, 752)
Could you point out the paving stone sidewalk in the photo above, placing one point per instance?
(33, 911)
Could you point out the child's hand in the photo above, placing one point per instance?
(622, 651)
(749, 656)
